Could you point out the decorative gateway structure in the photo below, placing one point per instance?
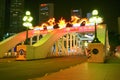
(42, 48)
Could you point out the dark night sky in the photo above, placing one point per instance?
(108, 9)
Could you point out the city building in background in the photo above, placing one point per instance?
(89, 15)
(76, 12)
(2, 17)
(118, 25)
(46, 11)
(16, 15)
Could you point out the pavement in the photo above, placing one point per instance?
(87, 71)
(7, 59)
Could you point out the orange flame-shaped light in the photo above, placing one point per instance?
(62, 23)
(51, 21)
(75, 22)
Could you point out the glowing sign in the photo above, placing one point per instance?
(42, 5)
(44, 8)
(80, 29)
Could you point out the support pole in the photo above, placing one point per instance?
(67, 43)
(31, 41)
(95, 40)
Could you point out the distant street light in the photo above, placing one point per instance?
(95, 19)
(27, 19)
